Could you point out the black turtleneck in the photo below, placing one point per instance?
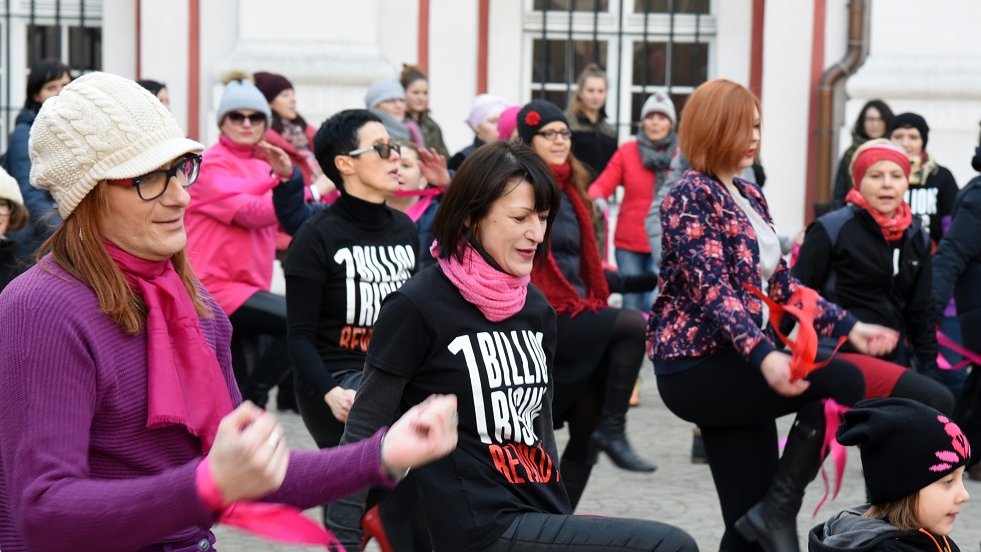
(341, 264)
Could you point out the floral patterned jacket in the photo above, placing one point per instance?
(710, 251)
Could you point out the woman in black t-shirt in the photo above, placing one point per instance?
(474, 326)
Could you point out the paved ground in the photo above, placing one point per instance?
(679, 492)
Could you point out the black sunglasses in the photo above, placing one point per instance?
(239, 118)
(384, 150)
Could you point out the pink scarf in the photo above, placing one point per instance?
(497, 294)
(185, 385)
(425, 195)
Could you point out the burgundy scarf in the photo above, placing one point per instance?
(548, 277)
(185, 385)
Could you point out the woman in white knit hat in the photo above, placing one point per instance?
(113, 438)
(13, 217)
(232, 230)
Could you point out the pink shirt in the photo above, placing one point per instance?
(231, 224)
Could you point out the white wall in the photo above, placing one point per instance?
(733, 44)
(786, 94)
(453, 67)
(923, 58)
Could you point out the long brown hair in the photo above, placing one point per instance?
(900, 513)
(77, 248)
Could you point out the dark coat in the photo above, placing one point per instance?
(849, 531)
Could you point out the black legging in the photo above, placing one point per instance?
(620, 364)
(538, 532)
(262, 314)
(737, 411)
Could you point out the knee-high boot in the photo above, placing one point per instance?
(772, 522)
(610, 435)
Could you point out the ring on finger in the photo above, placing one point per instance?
(274, 438)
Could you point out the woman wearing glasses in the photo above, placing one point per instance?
(13, 217)
(600, 349)
(113, 437)
(231, 231)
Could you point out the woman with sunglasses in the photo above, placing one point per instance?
(600, 349)
(232, 227)
(122, 428)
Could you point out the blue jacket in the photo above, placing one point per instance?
(44, 212)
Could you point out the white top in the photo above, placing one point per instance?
(766, 237)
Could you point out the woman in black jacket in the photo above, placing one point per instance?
(957, 271)
(872, 257)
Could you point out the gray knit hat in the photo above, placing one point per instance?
(659, 102)
(241, 93)
(101, 127)
(382, 90)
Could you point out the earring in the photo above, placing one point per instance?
(80, 236)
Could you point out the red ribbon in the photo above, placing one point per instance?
(803, 354)
(279, 522)
(803, 349)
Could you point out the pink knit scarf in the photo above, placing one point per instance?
(497, 294)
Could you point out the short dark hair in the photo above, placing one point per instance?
(337, 136)
(883, 110)
(42, 72)
(484, 176)
(153, 86)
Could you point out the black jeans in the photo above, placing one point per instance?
(737, 411)
(262, 314)
(538, 532)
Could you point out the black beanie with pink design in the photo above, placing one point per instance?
(905, 445)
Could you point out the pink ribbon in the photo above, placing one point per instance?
(272, 521)
(832, 448)
(970, 357)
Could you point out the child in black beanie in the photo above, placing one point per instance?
(914, 460)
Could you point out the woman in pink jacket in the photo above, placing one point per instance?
(640, 166)
(231, 231)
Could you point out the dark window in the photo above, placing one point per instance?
(577, 5)
(43, 41)
(85, 48)
(557, 68)
(665, 6)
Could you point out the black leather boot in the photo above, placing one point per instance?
(611, 438)
(772, 522)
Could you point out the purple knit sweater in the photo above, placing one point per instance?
(79, 470)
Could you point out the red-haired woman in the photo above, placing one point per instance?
(715, 365)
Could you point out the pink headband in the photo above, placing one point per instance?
(879, 152)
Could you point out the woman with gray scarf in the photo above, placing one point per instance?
(643, 168)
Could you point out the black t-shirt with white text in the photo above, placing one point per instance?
(505, 462)
(358, 253)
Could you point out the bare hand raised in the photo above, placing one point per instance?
(433, 168)
(423, 434)
(276, 157)
(249, 456)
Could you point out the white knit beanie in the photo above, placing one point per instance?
(241, 93)
(9, 189)
(659, 102)
(484, 107)
(101, 127)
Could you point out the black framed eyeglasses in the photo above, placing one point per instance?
(239, 118)
(153, 184)
(384, 150)
(552, 134)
